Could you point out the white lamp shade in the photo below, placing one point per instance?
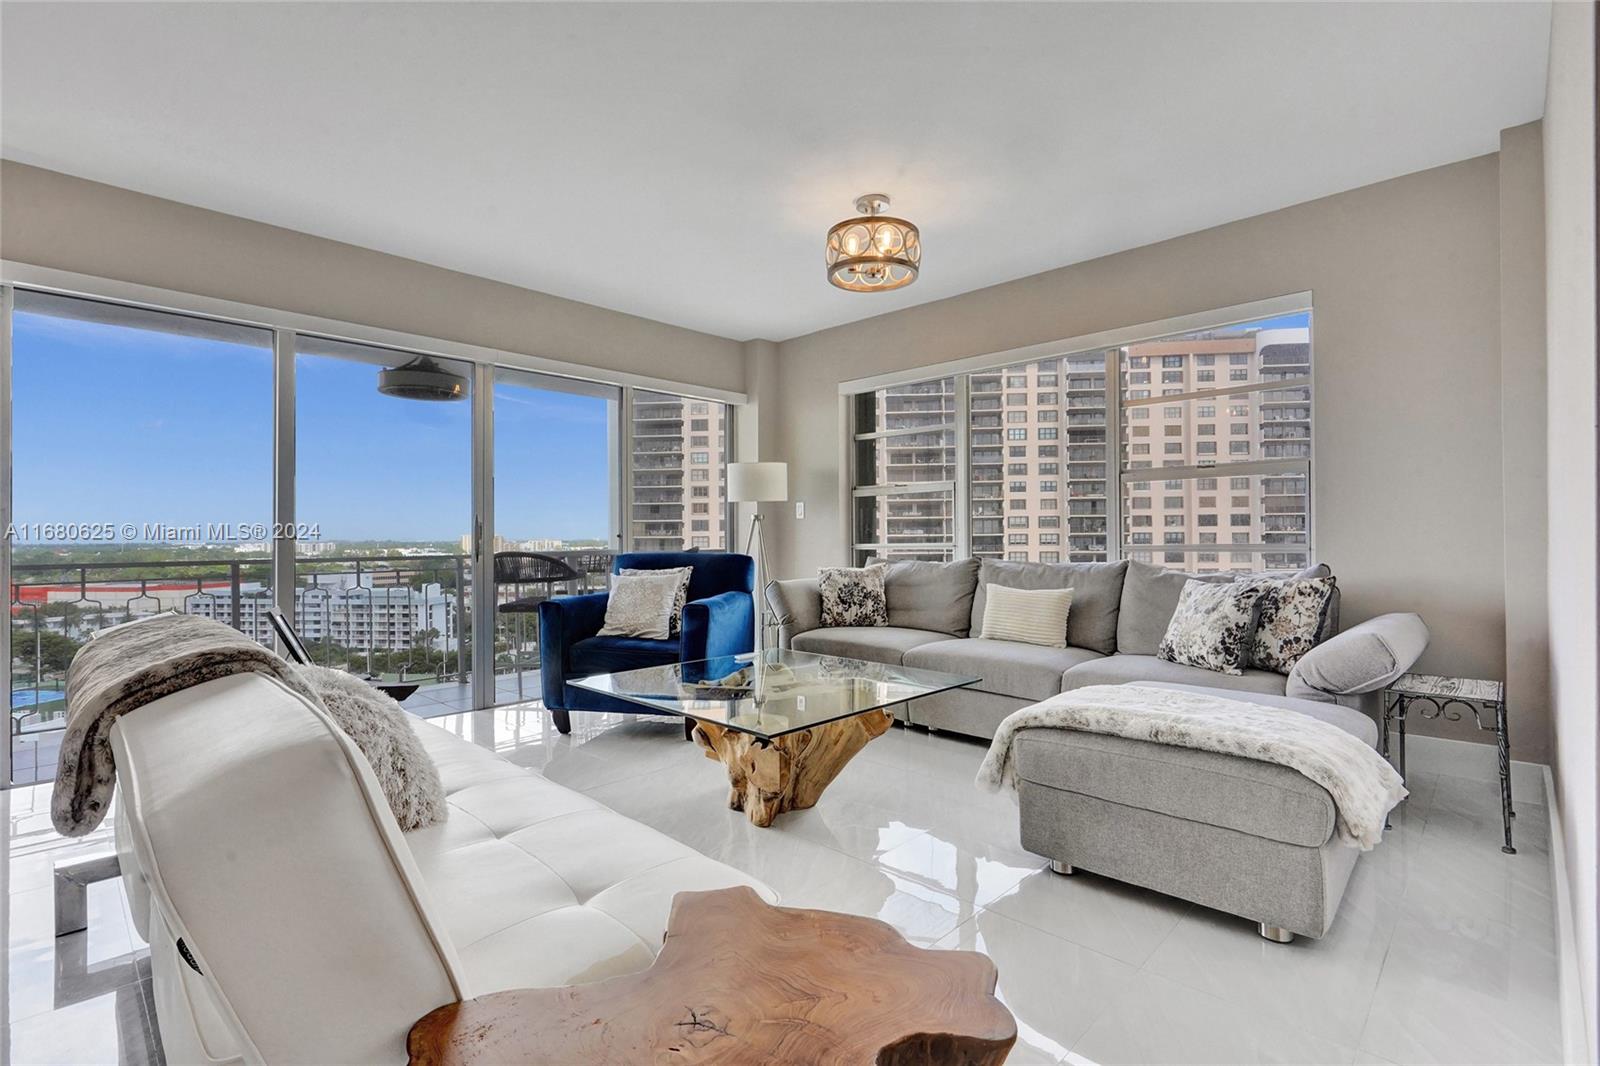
(758, 482)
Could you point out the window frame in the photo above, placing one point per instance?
(1112, 344)
(286, 328)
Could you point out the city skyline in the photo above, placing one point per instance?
(1042, 470)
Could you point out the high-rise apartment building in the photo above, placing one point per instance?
(679, 497)
(1241, 520)
(364, 616)
(1042, 464)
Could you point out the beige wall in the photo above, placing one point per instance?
(1569, 188)
(54, 220)
(1406, 284)
(1522, 419)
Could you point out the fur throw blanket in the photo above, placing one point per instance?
(125, 667)
(382, 730)
(1363, 785)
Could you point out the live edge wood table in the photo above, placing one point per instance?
(740, 981)
(783, 723)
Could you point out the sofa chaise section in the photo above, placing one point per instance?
(1250, 838)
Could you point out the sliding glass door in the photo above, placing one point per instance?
(381, 499)
(142, 452)
(557, 470)
(383, 514)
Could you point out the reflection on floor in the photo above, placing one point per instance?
(1444, 950)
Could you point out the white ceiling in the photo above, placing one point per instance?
(684, 161)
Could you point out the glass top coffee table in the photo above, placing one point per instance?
(784, 723)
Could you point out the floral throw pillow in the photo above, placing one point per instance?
(1213, 626)
(853, 596)
(1289, 617)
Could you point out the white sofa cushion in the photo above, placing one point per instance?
(538, 885)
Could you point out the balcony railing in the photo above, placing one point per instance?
(397, 617)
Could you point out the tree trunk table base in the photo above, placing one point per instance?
(787, 773)
(740, 981)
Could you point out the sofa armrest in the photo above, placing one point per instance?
(798, 606)
(718, 625)
(563, 622)
(1359, 660)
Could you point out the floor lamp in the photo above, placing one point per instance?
(758, 483)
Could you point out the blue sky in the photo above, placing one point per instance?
(117, 424)
(1299, 319)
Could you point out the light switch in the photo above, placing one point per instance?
(799, 508)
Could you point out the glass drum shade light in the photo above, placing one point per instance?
(873, 252)
(758, 482)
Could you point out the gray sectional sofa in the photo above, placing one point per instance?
(1250, 838)
(1119, 613)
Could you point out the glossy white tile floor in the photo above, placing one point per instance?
(1443, 952)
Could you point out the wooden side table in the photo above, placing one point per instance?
(1446, 697)
(741, 981)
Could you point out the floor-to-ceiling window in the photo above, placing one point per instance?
(1190, 450)
(556, 524)
(142, 447)
(168, 461)
(383, 509)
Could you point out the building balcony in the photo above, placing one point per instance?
(646, 512)
(672, 461)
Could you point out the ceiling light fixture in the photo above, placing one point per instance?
(873, 252)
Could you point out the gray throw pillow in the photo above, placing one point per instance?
(1212, 626)
(381, 729)
(934, 596)
(1149, 596)
(853, 596)
(1096, 597)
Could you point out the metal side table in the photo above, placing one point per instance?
(1446, 697)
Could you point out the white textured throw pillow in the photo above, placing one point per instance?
(684, 574)
(1026, 616)
(640, 605)
(382, 730)
(1213, 626)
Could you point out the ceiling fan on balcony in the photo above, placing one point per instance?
(422, 379)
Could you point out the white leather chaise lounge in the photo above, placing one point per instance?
(251, 830)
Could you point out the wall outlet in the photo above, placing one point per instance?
(799, 508)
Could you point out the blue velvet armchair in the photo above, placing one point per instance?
(719, 619)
